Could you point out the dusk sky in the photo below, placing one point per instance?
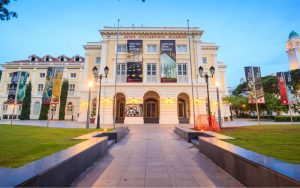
(249, 32)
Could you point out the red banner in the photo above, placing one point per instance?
(282, 88)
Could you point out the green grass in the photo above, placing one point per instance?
(278, 141)
(22, 144)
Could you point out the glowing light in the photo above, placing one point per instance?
(90, 84)
(169, 101)
(217, 84)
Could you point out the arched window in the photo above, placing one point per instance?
(36, 108)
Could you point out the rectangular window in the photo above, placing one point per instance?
(182, 69)
(122, 48)
(40, 87)
(204, 59)
(10, 75)
(72, 87)
(182, 48)
(73, 75)
(182, 73)
(121, 69)
(42, 75)
(98, 60)
(151, 69)
(151, 48)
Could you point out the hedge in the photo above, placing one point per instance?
(287, 118)
(255, 117)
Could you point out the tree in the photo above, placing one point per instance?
(25, 113)
(63, 99)
(270, 85)
(5, 14)
(44, 112)
(295, 74)
(238, 103)
(272, 104)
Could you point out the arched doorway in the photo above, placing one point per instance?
(151, 107)
(120, 115)
(183, 108)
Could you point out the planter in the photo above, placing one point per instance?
(225, 118)
(92, 120)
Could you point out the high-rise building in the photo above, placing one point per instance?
(293, 50)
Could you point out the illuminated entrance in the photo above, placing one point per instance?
(120, 116)
(183, 108)
(151, 107)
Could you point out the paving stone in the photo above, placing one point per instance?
(153, 156)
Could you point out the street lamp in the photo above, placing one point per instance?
(206, 76)
(90, 84)
(99, 76)
(219, 109)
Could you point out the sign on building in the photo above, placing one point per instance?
(168, 69)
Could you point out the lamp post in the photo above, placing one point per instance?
(99, 76)
(219, 109)
(90, 84)
(206, 76)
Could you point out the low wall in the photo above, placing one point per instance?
(58, 169)
(187, 133)
(117, 135)
(248, 167)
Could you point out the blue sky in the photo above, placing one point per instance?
(249, 32)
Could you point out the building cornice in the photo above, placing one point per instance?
(92, 45)
(151, 31)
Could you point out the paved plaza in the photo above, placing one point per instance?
(153, 156)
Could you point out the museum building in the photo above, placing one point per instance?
(152, 70)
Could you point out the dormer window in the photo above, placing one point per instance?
(32, 58)
(77, 59)
(47, 58)
(62, 59)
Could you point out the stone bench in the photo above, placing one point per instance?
(250, 168)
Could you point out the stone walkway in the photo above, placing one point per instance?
(153, 156)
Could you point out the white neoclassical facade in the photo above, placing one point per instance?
(151, 70)
(161, 101)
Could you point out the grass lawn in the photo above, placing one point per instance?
(278, 141)
(22, 144)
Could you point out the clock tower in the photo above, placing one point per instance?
(293, 50)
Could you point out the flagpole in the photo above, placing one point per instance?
(116, 66)
(190, 56)
(51, 96)
(16, 97)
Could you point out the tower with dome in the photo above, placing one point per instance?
(293, 50)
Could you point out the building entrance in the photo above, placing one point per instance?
(120, 115)
(183, 108)
(151, 107)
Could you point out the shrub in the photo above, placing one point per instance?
(287, 118)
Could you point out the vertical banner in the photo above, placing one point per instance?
(168, 69)
(47, 94)
(253, 77)
(13, 88)
(135, 61)
(289, 87)
(135, 50)
(22, 87)
(134, 72)
(57, 84)
(282, 88)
